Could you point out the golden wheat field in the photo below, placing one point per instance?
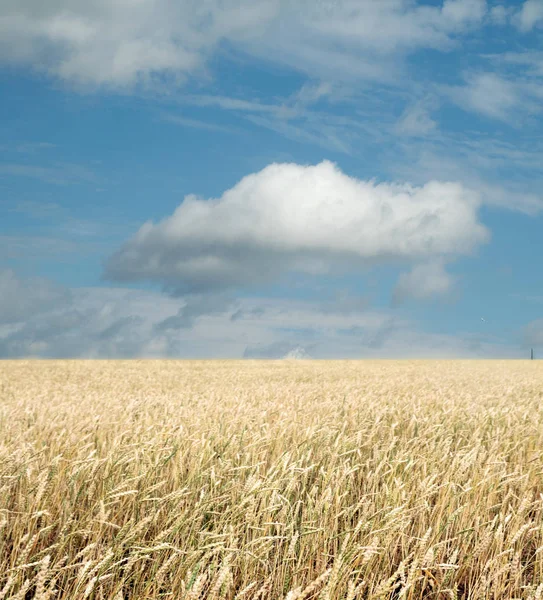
(268, 480)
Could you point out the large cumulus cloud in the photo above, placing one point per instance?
(295, 218)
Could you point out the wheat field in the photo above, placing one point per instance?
(268, 480)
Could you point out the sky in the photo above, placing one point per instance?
(270, 178)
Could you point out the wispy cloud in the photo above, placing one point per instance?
(57, 174)
(35, 210)
(529, 60)
(234, 104)
(416, 120)
(197, 124)
(509, 89)
(487, 94)
(293, 116)
(119, 46)
(27, 147)
(478, 167)
(530, 15)
(326, 136)
(28, 246)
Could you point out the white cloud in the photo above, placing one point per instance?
(41, 318)
(512, 92)
(369, 334)
(478, 164)
(416, 119)
(499, 15)
(525, 18)
(486, 93)
(20, 298)
(423, 281)
(462, 12)
(531, 61)
(387, 26)
(278, 350)
(311, 93)
(294, 218)
(116, 323)
(120, 43)
(530, 15)
(362, 39)
(194, 307)
(297, 353)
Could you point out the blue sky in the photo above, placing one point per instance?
(341, 179)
